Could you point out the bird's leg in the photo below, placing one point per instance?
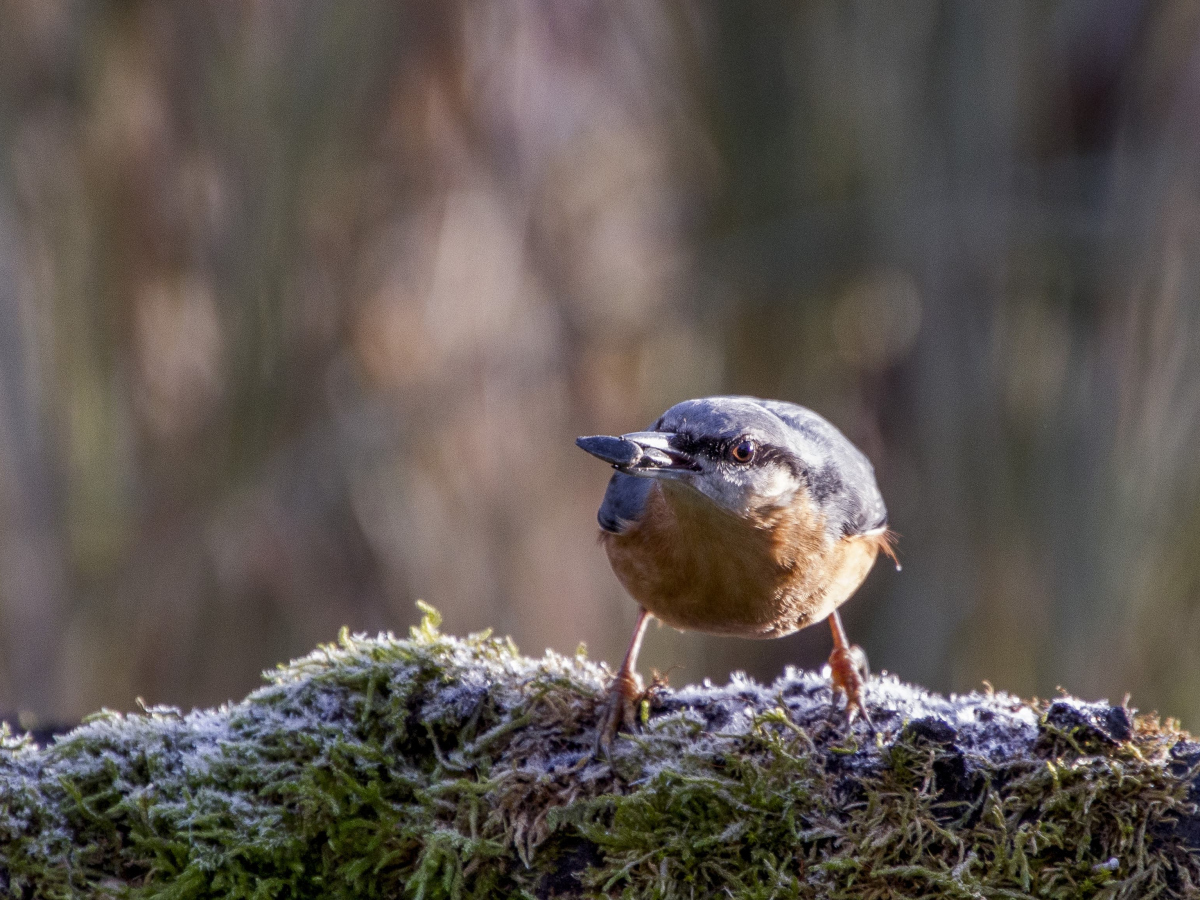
(620, 709)
(848, 665)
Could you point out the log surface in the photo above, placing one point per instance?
(442, 767)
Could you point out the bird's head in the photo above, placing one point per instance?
(749, 455)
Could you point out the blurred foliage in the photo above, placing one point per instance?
(301, 305)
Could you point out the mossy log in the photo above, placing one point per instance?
(438, 767)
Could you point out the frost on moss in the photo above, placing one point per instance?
(439, 767)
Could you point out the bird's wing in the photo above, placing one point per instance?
(624, 502)
(841, 478)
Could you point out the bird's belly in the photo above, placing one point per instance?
(707, 571)
(749, 610)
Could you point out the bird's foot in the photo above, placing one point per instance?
(620, 710)
(849, 671)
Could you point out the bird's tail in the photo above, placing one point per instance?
(885, 539)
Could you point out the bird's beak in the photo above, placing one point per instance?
(646, 453)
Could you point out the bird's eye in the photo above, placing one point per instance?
(743, 451)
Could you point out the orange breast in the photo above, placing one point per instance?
(700, 568)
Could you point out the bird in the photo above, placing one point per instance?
(733, 515)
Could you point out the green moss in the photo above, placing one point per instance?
(443, 768)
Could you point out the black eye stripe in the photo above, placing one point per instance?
(717, 449)
(685, 443)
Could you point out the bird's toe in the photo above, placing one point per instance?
(849, 672)
(619, 711)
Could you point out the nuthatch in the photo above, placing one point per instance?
(739, 516)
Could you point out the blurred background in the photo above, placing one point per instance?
(302, 305)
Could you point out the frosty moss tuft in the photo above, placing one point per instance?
(441, 767)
